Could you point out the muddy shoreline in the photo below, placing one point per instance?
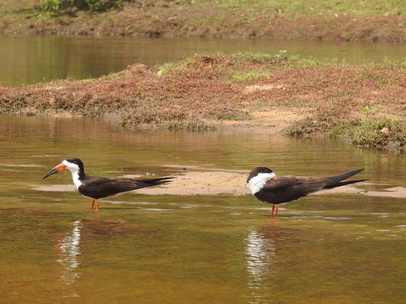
(362, 104)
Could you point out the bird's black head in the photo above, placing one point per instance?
(72, 164)
(257, 171)
(79, 163)
(75, 161)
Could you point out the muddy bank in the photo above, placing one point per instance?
(215, 19)
(364, 104)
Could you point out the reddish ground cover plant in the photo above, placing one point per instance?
(202, 91)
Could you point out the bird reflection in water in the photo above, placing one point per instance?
(68, 250)
(87, 233)
(262, 246)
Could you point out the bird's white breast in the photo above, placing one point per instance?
(256, 183)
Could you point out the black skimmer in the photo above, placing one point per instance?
(96, 187)
(267, 187)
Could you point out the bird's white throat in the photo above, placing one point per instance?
(74, 170)
(256, 183)
(76, 180)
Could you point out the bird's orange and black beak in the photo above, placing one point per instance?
(60, 167)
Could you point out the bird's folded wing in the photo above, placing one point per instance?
(102, 187)
(286, 189)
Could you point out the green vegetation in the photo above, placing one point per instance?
(250, 75)
(63, 6)
(51, 5)
(310, 8)
(370, 131)
(373, 132)
(316, 8)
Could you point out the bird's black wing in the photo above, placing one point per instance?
(286, 189)
(100, 187)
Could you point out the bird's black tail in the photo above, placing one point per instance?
(337, 181)
(149, 182)
(158, 181)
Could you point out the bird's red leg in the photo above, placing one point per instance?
(274, 210)
(97, 205)
(93, 203)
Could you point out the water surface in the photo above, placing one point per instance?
(330, 248)
(34, 59)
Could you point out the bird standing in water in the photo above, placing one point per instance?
(96, 187)
(267, 187)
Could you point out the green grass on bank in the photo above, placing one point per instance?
(325, 8)
(307, 8)
(346, 20)
(370, 132)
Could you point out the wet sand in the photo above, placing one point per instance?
(233, 183)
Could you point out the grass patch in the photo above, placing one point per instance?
(317, 123)
(148, 117)
(315, 8)
(249, 75)
(373, 132)
(379, 133)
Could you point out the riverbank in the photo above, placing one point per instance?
(364, 104)
(305, 20)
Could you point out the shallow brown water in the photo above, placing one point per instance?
(34, 59)
(330, 248)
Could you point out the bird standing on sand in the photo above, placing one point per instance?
(267, 187)
(96, 187)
